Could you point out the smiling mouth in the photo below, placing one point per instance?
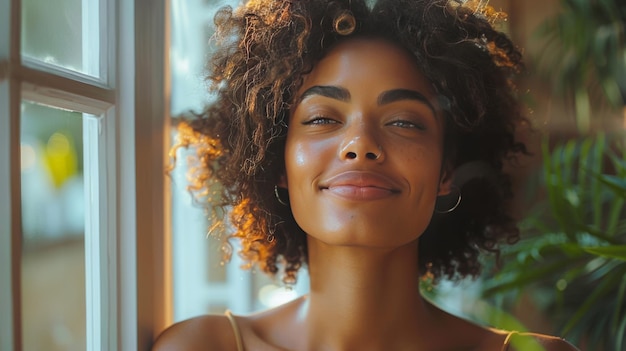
(360, 186)
(360, 193)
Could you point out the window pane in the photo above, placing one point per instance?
(65, 33)
(201, 282)
(53, 257)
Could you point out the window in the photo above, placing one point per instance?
(83, 195)
(84, 201)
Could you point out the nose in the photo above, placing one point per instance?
(360, 143)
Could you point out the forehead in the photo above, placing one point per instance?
(372, 63)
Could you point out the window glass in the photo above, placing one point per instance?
(63, 33)
(53, 221)
(203, 282)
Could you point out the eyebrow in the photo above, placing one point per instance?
(389, 96)
(329, 91)
(386, 97)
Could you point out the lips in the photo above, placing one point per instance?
(360, 186)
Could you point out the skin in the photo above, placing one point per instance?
(364, 167)
(364, 159)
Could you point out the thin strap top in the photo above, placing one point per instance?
(239, 341)
(233, 323)
(507, 341)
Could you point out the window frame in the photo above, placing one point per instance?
(10, 206)
(129, 284)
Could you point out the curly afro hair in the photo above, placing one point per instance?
(264, 49)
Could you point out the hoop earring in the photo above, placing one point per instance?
(271, 230)
(270, 236)
(458, 201)
(278, 196)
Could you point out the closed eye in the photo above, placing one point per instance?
(407, 124)
(316, 120)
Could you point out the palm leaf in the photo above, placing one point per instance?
(573, 254)
(617, 252)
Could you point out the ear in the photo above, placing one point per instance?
(282, 181)
(445, 182)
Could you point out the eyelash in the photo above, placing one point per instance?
(407, 124)
(319, 120)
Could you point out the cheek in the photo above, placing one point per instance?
(423, 167)
(299, 168)
(300, 155)
(423, 159)
(297, 156)
(303, 157)
(305, 162)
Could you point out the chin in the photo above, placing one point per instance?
(364, 235)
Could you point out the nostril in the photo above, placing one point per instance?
(371, 156)
(351, 155)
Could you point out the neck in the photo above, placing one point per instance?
(355, 291)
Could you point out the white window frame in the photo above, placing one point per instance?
(127, 264)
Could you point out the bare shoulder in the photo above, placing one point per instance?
(539, 342)
(211, 332)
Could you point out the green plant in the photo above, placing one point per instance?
(584, 54)
(572, 258)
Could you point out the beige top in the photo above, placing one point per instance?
(239, 340)
(233, 323)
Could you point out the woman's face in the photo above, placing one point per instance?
(363, 156)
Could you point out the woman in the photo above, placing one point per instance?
(367, 144)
